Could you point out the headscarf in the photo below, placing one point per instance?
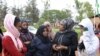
(12, 31)
(68, 24)
(91, 42)
(39, 34)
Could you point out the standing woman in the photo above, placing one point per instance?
(65, 42)
(40, 45)
(88, 43)
(12, 45)
(25, 35)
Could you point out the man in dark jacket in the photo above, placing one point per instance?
(65, 42)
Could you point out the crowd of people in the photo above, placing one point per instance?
(18, 41)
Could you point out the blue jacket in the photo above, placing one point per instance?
(39, 48)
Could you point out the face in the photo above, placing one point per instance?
(49, 28)
(61, 27)
(45, 33)
(25, 25)
(81, 29)
(18, 26)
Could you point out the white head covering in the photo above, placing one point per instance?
(87, 24)
(12, 31)
(89, 39)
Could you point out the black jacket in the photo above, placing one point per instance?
(0, 43)
(39, 48)
(1, 35)
(69, 39)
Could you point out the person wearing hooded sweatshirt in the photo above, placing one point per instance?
(1, 35)
(88, 43)
(25, 35)
(12, 45)
(66, 40)
(41, 44)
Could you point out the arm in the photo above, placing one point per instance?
(74, 42)
(9, 46)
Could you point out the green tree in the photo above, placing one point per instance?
(31, 12)
(53, 15)
(17, 11)
(88, 9)
(3, 10)
(83, 8)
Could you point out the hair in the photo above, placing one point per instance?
(99, 25)
(41, 30)
(39, 34)
(17, 20)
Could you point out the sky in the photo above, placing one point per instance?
(54, 4)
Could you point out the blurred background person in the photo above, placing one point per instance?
(97, 32)
(65, 41)
(12, 45)
(88, 43)
(51, 34)
(41, 44)
(25, 35)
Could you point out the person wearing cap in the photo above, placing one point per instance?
(88, 43)
(66, 40)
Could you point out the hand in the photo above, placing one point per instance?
(27, 42)
(54, 47)
(61, 47)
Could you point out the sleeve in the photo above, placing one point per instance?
(91, 46)
(74, 42)
(32, 48)
(9, 46)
